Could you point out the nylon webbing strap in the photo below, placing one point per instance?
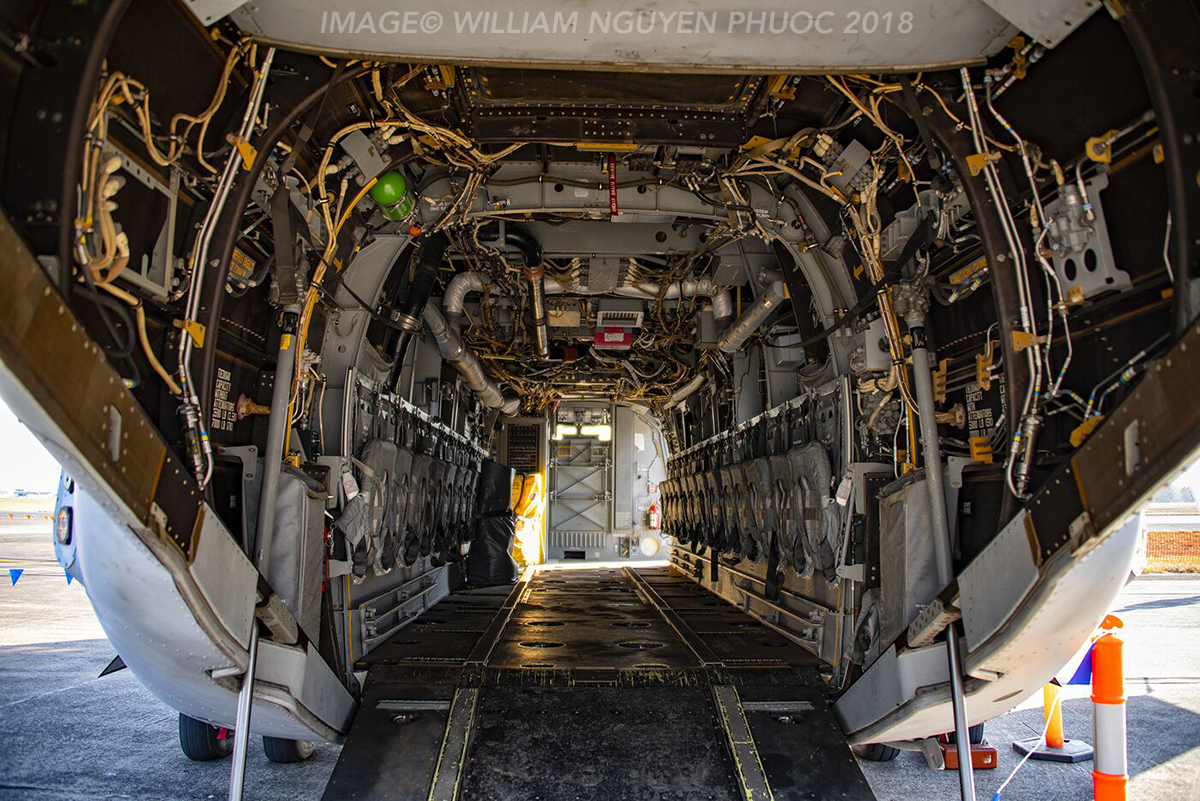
(285, 247)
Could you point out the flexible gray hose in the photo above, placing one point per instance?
(752, 318)
(453, 350)
(461, 285)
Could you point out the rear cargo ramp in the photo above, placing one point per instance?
(597, 683)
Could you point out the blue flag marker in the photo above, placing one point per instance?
(69, 579)
(14, 573)
(1083, 674)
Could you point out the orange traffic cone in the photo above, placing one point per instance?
(1110, 775)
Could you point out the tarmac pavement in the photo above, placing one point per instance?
(66, 734)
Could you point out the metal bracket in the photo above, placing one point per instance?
(977, 161)
(193, 329)
(931, 621)
(248, 456)
(1024, 339)
(157, 270)
(981, 450)
(852, 572)
(939, 381)
(245, 150)
(983, 368)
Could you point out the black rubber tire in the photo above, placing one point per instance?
(876, 752)
(975, 735)
(287, 751)
(201, 742)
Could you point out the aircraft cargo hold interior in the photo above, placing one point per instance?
(572, 414)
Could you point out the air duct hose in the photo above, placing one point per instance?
(453, 350)
(686, 391)
(753, 317)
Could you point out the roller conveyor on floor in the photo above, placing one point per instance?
(593, 683)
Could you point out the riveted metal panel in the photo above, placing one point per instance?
(52, 356)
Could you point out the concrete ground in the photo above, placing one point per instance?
(1161, 613)
(66, 734)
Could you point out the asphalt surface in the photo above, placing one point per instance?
(66, 734)
(1161, 614)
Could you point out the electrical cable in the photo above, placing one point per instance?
(76, 131)
(1045, 728)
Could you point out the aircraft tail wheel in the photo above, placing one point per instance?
(203, 743)
(287, 751)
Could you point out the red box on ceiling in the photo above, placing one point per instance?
(614, 338)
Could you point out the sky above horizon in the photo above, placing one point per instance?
(24, 463)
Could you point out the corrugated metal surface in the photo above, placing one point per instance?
(578, 539)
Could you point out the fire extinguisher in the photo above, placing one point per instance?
(652, 515)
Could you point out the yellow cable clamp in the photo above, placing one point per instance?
(1024, 339)
(1084, 430)
(247, 152)
(981, 450)
(977, 161)
(194, 329)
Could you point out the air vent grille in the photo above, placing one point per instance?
(618, 318)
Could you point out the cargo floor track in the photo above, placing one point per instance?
(593, 684)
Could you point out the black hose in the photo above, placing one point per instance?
(122, 347)
(230, 225)
(522, 240)
(728, 207)
(429, 261)
(75, 136)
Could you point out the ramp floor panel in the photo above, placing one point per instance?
(391, 758)
(593, 683)
(606, 743)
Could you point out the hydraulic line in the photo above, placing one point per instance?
(958, 146)
(192, 413)
(277, 431)
(1026, 426)
(213, 288)
(913, 304)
